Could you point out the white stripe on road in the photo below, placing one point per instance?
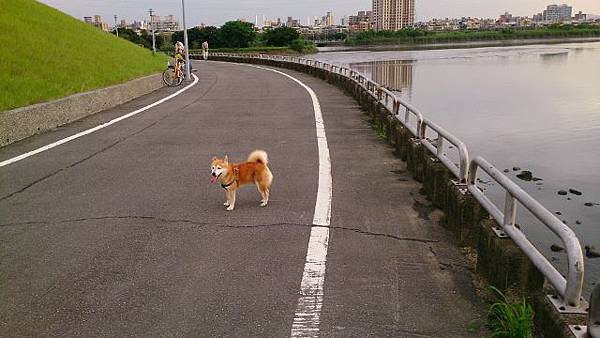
(89, 131)
(308, 311)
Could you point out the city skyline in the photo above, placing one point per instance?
(216, 12)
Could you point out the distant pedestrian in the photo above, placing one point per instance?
(205, 50)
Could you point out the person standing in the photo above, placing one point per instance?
(179, 58)
(205, 50)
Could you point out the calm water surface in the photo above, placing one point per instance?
(533, 107)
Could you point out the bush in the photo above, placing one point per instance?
(280, 36)
(301, 46)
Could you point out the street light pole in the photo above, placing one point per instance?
(152, 26)
(116, 27)
(185, 41)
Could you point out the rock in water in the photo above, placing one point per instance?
(516, 168)
(562, 192)
(556, 248)
(575, 192)
(591, 251)
(589, 204)
(525, 175)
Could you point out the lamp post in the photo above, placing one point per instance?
(116, 27)
(152, 26)
(185, 41)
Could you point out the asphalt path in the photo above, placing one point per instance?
(119, 232)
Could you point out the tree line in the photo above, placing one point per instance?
(233, 34)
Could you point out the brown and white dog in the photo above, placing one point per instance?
(232, 176)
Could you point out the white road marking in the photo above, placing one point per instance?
(308, 311)
(91, 130)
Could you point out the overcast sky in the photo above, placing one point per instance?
(216, 12)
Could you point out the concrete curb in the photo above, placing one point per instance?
(21, 123)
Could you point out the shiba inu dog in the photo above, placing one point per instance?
(232, 176)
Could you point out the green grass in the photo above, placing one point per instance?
(47, 54)
(510, 320)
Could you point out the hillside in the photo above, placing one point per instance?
(46, 54)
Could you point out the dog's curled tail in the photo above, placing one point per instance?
(258, 156)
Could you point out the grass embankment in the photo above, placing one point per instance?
(417, 36)
(47, 54)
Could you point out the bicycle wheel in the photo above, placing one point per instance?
(169, 77)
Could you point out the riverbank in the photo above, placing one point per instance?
(457, 45)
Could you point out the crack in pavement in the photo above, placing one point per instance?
(222, 225)
(120, 140)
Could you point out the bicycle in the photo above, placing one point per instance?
(169, 75)
(174, 74)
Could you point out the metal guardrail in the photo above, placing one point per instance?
(569, 288)
(437, 148)
(592, 329)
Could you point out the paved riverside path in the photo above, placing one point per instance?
(119, 233)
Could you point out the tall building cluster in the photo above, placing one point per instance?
(167, 24)
(393, 14)
(556, 13)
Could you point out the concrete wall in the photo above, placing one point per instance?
(499, 261)
(23, 122)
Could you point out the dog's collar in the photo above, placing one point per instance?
(225, 186)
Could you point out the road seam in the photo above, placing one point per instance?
(91, 130)
(308, 310)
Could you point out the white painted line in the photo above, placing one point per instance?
(89, 131)
(308, 311)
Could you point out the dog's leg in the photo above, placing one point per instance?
(264, 192)
(227, 194)
(260, 190)
(231, 201)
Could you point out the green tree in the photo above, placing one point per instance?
(196, 36)
(237, 34)
(280, 36)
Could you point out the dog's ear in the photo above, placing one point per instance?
(226, 159)
(213, 159)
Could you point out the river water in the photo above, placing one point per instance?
(536, 108)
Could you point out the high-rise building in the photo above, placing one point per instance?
(96, 21)
(362, 21)
(393, 14)
(556, 13)
(169, 24)
(329, 21)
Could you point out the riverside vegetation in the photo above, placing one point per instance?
(508, 319)
(419, 36)
(233, 36)
(47, 54)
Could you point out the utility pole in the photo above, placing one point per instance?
(188, 76)
(116, 27)
(152, 27)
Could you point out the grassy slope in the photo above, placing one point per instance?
(46, 54)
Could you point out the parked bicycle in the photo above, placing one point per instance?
(175, 73)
